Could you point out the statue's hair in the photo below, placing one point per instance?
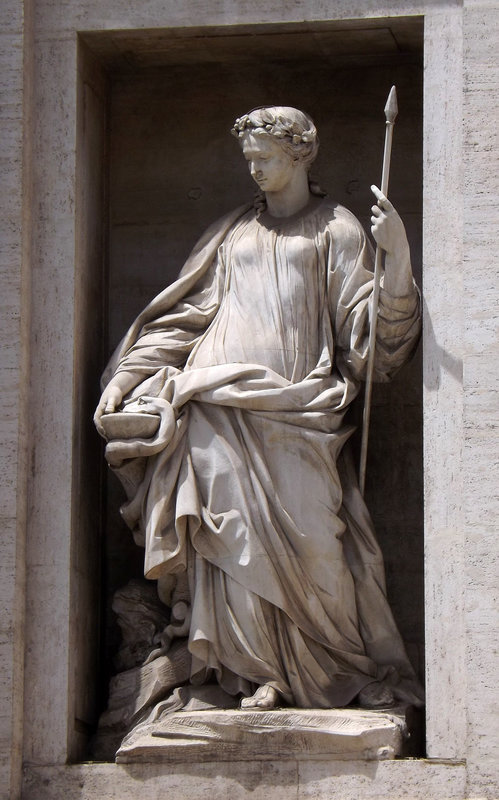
(294, 130)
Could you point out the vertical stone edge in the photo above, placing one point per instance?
(90, 300)
(50, 417)
(13, 377)
(443, 403)
(24, 385)
(480, 387)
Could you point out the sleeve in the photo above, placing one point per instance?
(350, 288)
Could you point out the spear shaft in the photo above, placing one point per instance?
(391, 111)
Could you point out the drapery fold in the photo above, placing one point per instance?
(259, 349)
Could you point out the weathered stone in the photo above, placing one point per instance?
(302, 734)
(133, 692)
(141, 618)
(142, 678)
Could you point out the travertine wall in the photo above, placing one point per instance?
(44, 263)
(480, 208)
(442, 382)
(13, 383)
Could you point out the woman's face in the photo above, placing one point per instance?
(270, 167)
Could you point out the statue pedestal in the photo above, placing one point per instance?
(301, 734)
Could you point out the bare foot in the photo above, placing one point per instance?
(264, 698)
(374, 695)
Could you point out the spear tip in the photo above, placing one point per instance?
(391, 108)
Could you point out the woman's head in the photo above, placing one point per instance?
(292, 129)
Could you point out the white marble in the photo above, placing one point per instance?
(270, 337)
(227, 735)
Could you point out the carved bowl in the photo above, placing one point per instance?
(129, 425)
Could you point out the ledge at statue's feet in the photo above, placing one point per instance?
(225, 735)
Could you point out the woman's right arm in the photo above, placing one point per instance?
(113, 394)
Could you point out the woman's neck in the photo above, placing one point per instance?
(291, 199)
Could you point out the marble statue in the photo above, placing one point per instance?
(225, 409)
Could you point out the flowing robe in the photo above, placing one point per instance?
(260, 347)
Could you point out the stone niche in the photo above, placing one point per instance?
(157, 164)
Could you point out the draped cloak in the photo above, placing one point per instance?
(259, 347)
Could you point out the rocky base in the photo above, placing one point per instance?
(301, 734)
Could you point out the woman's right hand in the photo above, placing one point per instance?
(109, 402)
(112, 396)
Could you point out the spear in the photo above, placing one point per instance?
(391, 111)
